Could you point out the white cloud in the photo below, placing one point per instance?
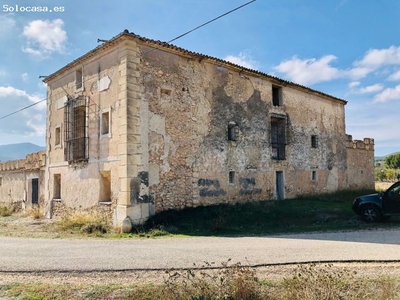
(28, 122)
(6, 25)
(369, 89)
(376, 58)
(309, 71)
(25, 76)
(45, 37)
(394, 77)
(243, 59)
(388, 94)
(353, 84)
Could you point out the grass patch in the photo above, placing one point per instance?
(84, 222)
(309, 213)
(6, 210)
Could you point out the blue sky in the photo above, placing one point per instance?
(347, 48)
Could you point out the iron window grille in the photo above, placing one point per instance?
(278, 138)
(76, 129)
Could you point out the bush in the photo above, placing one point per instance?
(6, 210)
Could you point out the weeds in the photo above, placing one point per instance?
(6, 210)
(326, 282)
(35, 212)
(226, 282)
(230, 282)
(83, 222)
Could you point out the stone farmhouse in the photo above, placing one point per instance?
(138, 126)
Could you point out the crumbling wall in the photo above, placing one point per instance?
(360, 163)
(191, 105)
(16, 179)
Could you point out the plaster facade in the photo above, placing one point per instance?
(166, 128)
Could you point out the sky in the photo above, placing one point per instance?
(349, 49)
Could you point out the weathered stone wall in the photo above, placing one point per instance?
(171, 114)
(360, 163)
(59, 210)
(12, 189)
(191, 104)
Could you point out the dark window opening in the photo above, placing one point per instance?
(278, 138)
(1, 181)
(233, 131)
(78, 79)
(76, 139)
(57, 186)
(105, 122)
(231, 177)
(314, 141)
(277, 96)
(314, 176)
(58, 136)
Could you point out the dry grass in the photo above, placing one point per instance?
(35, 212)
(229, 282)
(6, 210)
(87, 222)
(381, 186)
(306, 282)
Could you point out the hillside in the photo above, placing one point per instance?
(18, 151)
(378, 158)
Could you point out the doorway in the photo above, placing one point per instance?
(35, 191)
(280, 185)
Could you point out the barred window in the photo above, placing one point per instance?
(278, 138)
(76, 139)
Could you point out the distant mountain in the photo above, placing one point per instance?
(18, 151)
(383, 157)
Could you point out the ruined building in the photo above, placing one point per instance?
(22, 181)
(137, 126)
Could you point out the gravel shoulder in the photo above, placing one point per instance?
(26, 227)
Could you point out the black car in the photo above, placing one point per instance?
(380, 206)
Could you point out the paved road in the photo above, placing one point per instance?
(18, 254)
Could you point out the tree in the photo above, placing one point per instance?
(393, 161)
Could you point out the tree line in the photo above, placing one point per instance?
(390, 171)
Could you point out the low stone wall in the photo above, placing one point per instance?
(59, 209)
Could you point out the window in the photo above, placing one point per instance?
(57, 186)
(233, 131)
(1, 181)
(231, 177)
(58, 136)
(105, 123)
(278, 138)
(276, 96)
(314, 176)
(75, 129)
(314, 141)
(78, 79)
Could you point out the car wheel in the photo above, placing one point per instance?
(370, 214)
